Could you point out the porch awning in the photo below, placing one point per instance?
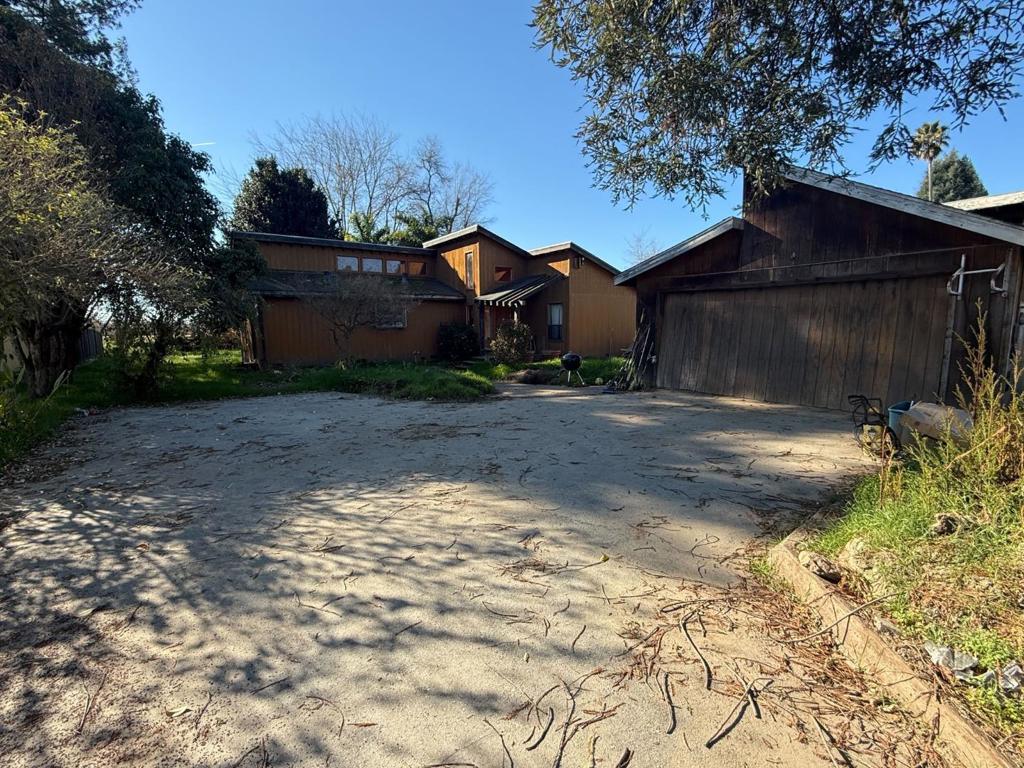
(517, 292)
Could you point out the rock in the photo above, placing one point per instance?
(1011, 679)
(944, 525)
(820, 566)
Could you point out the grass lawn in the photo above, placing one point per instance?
(593, 368)
(961, 584)
(25, 423)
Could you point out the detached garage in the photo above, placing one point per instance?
(827, 288)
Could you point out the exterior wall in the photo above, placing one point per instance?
(535, 315)
(294, 334)
(316, 258)
(487, 255)
(858, 295)
(602, 315)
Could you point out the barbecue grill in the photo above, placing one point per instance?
(571, 363)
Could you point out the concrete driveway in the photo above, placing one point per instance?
(337, 580)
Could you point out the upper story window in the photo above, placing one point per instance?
(393, 266)
(416, 268)
(470, 282)
(502, 274)
(348, 264)
(373, 265)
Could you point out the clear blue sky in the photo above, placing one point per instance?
(464, 71)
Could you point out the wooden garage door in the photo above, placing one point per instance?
(808, 344)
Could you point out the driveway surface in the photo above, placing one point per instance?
(337, 580)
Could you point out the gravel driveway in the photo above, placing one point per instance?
(337, 580)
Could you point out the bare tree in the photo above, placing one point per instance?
(354, 160)
(641, 246)
(442, 191)
(361, 301)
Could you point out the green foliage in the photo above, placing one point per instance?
(417, 227)
(962, 588)
(681, 94)
(364, 228)
(929, 140)
(511, 343)
(281, 201)
(953, 178)
(457, 342)
(593, 368)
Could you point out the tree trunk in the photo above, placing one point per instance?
(49, 348)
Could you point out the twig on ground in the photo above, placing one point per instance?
(704, 661)
(625, 760)
(568, 602)
(671, 706)
(838, 621)
(90, 703)
(730, 721)
(828, 748)
(504, 746)
(271, 685)
(572, 648)
(209, 698)
(544, 733)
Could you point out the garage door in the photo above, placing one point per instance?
(807, 344)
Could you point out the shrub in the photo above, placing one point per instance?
(457, 342)
(511, 344)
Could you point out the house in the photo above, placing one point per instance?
(829, 287)
(566, 295)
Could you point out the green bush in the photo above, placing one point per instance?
(511, 344)
(457, 342)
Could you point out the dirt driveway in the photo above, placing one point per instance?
(336, 580)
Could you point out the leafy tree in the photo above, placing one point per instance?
(682, 93)
(56, 60)
(952, 178)
(64, 247)
(416, 228)
(364, 228)
(285, 202)
(927, 144)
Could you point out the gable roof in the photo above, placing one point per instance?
(475, 229)
(987, 201)
(569, 245)
(915, 206)
(343, 245)
(715, 230)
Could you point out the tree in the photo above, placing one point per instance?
(285, 202)
(374, 191)
(683, 93)
(640, 247)
(927, 144)
(360, 301)
(952, 178)
(56, 60)
(64, 247)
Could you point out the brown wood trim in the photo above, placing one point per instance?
(697, 283)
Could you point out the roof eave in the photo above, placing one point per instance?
(569, 245)
(715, 230)
(937, 212)
(325, 242)
(474, 229)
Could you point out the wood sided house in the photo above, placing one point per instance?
(566, 295)
(829, 287)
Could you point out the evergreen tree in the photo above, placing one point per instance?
(953, 178)
(281, 201)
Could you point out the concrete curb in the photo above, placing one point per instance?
(864, 649)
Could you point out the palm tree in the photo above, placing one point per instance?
(927, 144)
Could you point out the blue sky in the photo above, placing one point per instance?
(463, 71)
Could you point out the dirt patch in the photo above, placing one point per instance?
(371, 583)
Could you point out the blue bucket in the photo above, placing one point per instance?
(895, 411)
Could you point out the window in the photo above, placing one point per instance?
(348, 264)
(502, 274)
(555, 322)
(416, 268)
(470, 282)
(373, 265)
(393, 266)
(392, 322)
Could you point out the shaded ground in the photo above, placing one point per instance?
(335, 580)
